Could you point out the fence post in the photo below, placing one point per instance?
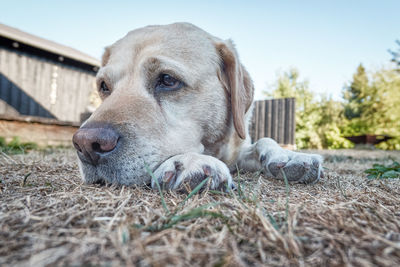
(274, 118)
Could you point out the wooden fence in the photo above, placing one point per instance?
(274, 118)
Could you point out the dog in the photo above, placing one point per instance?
(176, 107)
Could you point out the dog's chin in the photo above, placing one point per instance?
(119, 173)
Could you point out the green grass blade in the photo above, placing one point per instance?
(271, 219)
(195, 190)
(158, 187)
(239, 189)
(25, 179)
(287, 195)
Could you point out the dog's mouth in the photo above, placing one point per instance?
(97, 158)
(120, 168)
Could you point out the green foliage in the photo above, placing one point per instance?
(332, 137)
(356, 94)
(375, 108)
(331, 124)
(379, 171)
(15, 146)
(392, 144)
(317, 122)
(2, 142)
(371, 105)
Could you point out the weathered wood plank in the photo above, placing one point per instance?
(252, 124)
(287, 121)
(274, 118)
(275, 114)
(268, 124)
(261, 119)
(41, 134)
(293, 127)
(281, 121)
(256, 137)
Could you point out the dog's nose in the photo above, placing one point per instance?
(93, 143)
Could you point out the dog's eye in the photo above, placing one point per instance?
(167, 82)
(104, 89)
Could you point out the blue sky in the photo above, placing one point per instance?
(324, 40)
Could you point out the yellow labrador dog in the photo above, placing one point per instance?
(177, 101)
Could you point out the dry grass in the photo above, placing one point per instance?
(53, 219)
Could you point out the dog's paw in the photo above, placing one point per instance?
(299, 167)
(189, 170)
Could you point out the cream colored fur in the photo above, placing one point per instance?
(189, 134)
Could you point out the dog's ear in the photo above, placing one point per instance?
(106, 56)
(238, 84)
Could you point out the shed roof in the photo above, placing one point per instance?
(50, 46)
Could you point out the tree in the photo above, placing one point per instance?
(317, 122)
(288, 85)
(372, 105)
(355, 95)
(332, 123)
(396, 55)
(384, 114)
(357, 100)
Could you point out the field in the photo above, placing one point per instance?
(48, 217)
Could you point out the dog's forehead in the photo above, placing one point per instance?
(181, 41)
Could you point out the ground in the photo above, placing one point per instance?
(48, 217)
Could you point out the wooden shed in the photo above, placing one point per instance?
(43, 82)
(275, 118)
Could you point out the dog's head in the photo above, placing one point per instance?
(166, 90)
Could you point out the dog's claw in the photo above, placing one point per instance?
(275, 167)
(207, 170)
(168, 176)
(280, 165)
(233, 187)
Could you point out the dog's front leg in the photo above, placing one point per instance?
(190, 169)
(268, 156)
